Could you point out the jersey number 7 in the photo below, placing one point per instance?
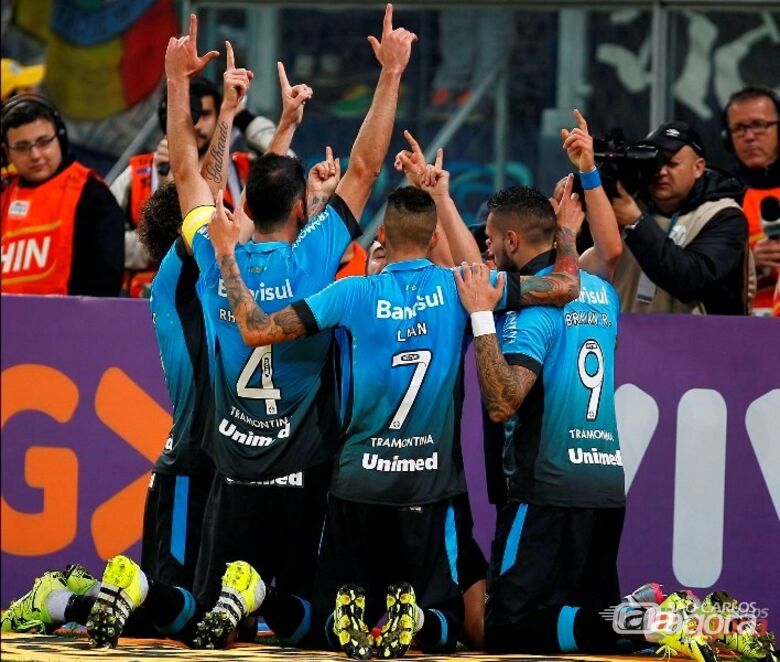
(421, 359)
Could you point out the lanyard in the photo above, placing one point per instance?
(672, 223)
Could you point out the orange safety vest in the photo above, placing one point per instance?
(141, 181)
(138, 283)
(768, 293)
(37, 232)
(356, 265)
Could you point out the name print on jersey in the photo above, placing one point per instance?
(386, 310)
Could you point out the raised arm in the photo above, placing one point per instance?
(182, 62)
(294, 97)
(436, 181)
(607, 245)
(236, 85)
(503, 386)
(256, 327)
(563, 283)
(373, 140)
(321, 183)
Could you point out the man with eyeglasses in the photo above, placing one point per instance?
(685, 237)
(62, 230)
(751, 131)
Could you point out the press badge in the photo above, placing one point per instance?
(645, 291)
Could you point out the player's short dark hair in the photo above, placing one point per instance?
(525, 210)
(410, 218)
(160, 221)
(203, 87)
(274, 184)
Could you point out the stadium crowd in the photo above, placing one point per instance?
(315, 451)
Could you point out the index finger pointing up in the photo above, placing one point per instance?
(580, 120)
(231, 58)
(387, 23)
(282, 76)
(439, 158)
(194, 28)
(412, 142)
(329, 154)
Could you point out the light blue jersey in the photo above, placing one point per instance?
(178, 324)
(275, 410)
(402, 415)
(562, 445)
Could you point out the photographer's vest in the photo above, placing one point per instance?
(637, 293)
(37, 232)
(768, 286)
(145, 180)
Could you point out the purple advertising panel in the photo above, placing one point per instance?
(85, 414)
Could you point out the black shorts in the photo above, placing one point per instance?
(376, 546)
(547, 556)
(275, 527)
(173, 516)
(472, 565)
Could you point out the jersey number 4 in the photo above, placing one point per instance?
(421, 359)
(592, 381)
(261, 358)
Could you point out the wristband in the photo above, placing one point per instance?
(590, 180)
(482, 323)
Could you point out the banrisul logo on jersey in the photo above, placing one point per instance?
(387, 310)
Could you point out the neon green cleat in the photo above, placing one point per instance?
(79, 580)
(242, 594)
(122, 590)
(396, 635)
(676, 629)
(348, 625)
(28, 613)
(737, 631)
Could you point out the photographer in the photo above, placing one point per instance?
(751, 131)
(686, 240)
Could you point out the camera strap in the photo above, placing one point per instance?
(646, 288)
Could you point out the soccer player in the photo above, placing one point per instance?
(391, 515)
(274, 423)
(549, 373)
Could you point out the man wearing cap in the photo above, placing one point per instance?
(686, 238)
(752, 132)
(62, 231)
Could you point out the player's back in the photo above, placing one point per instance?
(406, 330)
(566, 448)
(275, 410)
(179, 326)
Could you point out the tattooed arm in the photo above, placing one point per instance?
(556, 288)
(257, 328)
(503, 386)
(236, 85)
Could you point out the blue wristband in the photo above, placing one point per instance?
(590, 180)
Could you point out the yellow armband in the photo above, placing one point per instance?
(195, 220)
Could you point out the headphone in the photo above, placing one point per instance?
(749, 92)
(30, 101)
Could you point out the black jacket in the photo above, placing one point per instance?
(712, 268)
(760, 178)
